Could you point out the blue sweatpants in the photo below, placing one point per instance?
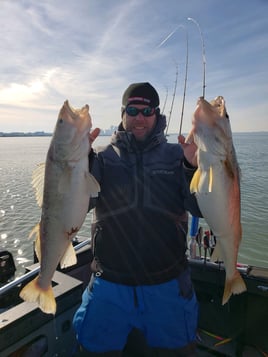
(109, 311)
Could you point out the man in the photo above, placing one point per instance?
(140, 280)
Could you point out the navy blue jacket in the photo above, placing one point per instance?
(140, 220)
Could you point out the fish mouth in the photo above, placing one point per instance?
(209, 112)
(78, 117)
(219, 104)
(75, 113)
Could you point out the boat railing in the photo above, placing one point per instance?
(7, 287)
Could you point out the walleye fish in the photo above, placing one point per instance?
(63, 187)
(216, 184)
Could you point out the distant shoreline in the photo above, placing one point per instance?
(34, 134)
(108, 132)
(21, 134)
(104, 132)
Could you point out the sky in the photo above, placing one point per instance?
(89, 51)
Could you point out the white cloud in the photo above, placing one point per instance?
(89, 51)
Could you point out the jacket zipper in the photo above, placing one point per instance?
(140, 176)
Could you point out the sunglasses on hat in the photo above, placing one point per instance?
(146, 112)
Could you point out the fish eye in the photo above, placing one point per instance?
(60, 120)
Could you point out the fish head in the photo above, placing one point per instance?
(72, 122)
(71, 130)
(210, 113)
(211, 125)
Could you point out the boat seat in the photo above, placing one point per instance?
(7, 266)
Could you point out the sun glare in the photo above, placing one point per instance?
(21, 92)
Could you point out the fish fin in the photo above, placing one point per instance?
(234, 286)
(216, 255)
(37, 247)
(65, 180)
(93, 185)
(195, 181)
(36, 231)
(43, 297)
(210, 182)
(38, 183)
(69, 257)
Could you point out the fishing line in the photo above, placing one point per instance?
(173, 98)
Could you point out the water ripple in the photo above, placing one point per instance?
(19, 212)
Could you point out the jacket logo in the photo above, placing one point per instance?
(162, 172)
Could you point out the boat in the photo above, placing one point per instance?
(239, 328)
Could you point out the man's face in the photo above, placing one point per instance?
(139, 123)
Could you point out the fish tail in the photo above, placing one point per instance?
(43, 297)
(234, 286)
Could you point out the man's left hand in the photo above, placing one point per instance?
(189, 149)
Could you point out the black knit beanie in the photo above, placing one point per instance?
(140, 93)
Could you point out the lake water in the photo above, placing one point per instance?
(19, 211)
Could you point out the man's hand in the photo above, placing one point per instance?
(189, 149)
(93, 135)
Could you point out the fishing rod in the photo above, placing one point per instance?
(185, 79)
(173, 98)
(165, 101)
(203, 52)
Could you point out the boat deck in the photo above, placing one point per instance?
(237, 329)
